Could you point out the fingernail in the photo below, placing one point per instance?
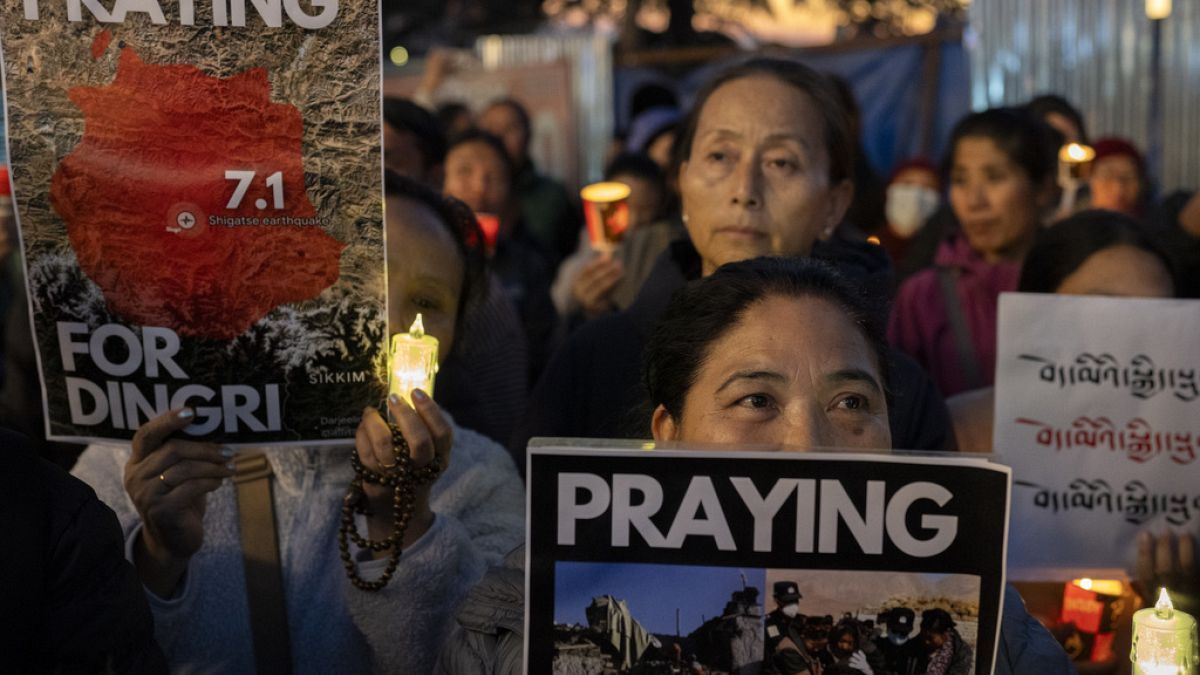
(227, 452)
(231, 466)
(419, 395)
(394, 399)
(187, 414)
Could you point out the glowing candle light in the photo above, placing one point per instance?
(606, 210)
(414, 361)
(490, 225)
(1076, 153)
(1164, 640)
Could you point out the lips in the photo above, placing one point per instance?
(741, 232)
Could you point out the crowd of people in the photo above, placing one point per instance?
(740, 258)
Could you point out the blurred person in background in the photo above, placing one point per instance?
(913, 196)
(552, 217)
(591, 284)
(1002, 165)
(479, 173)
(1058, 112)
(1117, 180)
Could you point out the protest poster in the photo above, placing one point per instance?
(200, 208)
(1097, 403)
(637, 559)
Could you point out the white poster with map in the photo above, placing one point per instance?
(1098, 413)
(199, 199)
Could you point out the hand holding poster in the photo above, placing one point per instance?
(1096, 409)
(642, 558)
(198, 191)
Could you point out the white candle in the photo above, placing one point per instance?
(1164, 640)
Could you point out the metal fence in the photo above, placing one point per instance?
(1096, 53)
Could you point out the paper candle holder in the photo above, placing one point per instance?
(606, 211)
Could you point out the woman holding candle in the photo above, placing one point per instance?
(774, 351)
(180, 514)
(1001, 163)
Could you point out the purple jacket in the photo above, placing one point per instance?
(920, 325)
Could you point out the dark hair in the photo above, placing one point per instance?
(1024, 139)
(701, 312)
(460, 223)
(845, 628)
(639, 166)
(402, 114)
(937, 620)
(518, 110)
(447, 112)
(649, 96)
(481, 136)
(1043, 105)
(839, 145)
(1062, 248)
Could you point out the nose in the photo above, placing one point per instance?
(977, 196)
(805, 428)
(748, 184)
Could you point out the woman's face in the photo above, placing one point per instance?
(846, 644)
(1120, 271)
(425, 271)
(757, 179)
(476, 174)
(995, 200)
(794, 372)
(1115, 184)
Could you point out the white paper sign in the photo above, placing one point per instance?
(1098, 413)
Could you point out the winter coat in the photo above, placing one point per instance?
(592, 387)
(69, 601)
(920, 323)
(204, 627)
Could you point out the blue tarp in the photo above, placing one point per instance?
(888, 83)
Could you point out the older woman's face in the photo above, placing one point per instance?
(994, 199)
(794, 372)
(425, 271)
(1116, 183)
(757, 179)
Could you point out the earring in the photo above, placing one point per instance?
(684, 217)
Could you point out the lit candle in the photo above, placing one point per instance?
(414, 361)
(607, 213)
(490, 225)
(1076, 153)
(1164, 640)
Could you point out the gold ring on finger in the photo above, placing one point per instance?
(163, 477)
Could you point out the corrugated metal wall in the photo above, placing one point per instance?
(1096, 53)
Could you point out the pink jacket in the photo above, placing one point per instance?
(920, 325)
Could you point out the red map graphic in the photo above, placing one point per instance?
(137, 192)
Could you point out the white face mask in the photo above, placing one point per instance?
(898, 639)
(791, 610)
(908, 206)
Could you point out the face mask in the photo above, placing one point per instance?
(897, 639)
(908, 207)
(790, 611)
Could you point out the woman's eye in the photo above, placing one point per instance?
(755, 401)
(853, 402)
(717, 156)
(782, 163)
(426, 303)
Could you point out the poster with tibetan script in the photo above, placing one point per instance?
(200, 207)
(742, 562)
(1098, 413)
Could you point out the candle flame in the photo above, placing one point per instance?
(418, 327)
(1163, 609)
(1076, 153)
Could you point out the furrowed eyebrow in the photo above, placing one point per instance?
(752, 375)
(855, 375)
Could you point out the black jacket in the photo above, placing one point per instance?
(69, 601)
(592, 386)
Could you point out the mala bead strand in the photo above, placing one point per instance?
(404, 481)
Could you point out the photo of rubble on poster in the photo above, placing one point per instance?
(198, 190)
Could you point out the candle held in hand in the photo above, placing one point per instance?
(414, 362)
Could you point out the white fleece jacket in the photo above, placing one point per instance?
(335, 628)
